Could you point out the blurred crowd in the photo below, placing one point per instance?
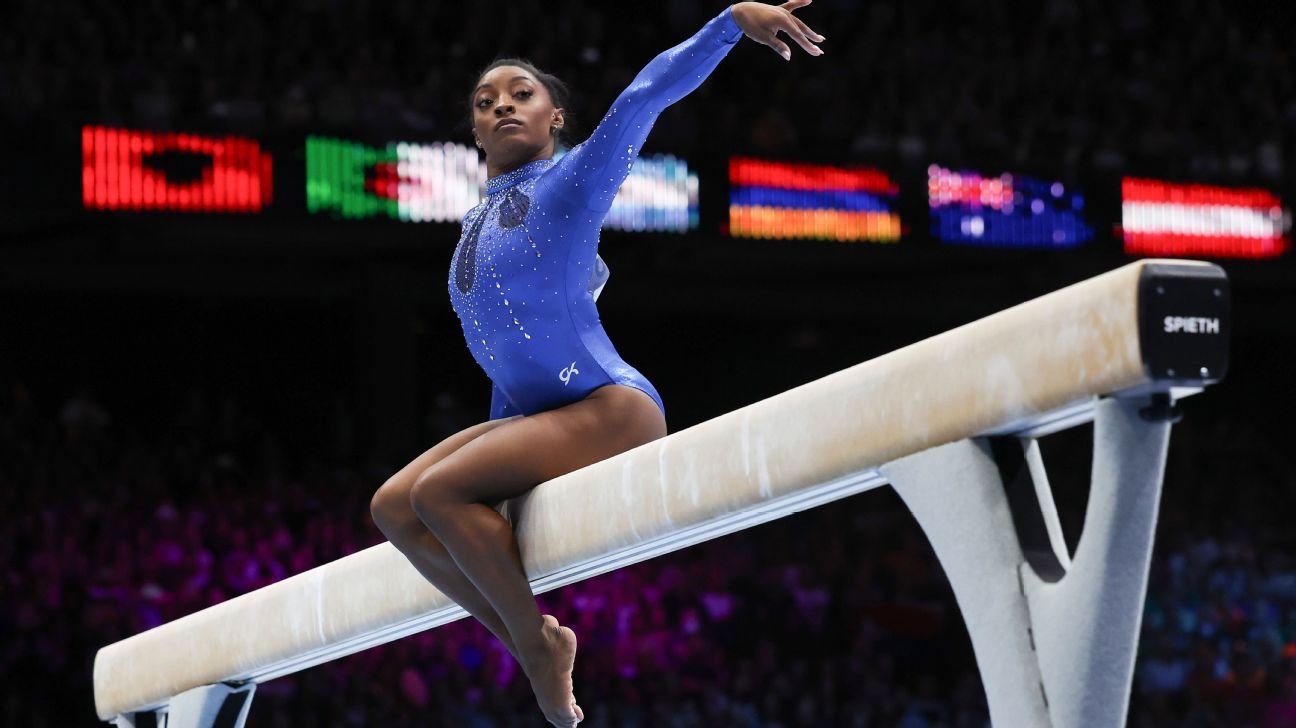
(835, 616)
(1219, 628)
(1199, 88)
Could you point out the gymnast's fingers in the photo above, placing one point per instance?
(807, 29)
(795, 33)
(794, 4)
(781, 48)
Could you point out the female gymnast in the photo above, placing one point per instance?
(520, 280)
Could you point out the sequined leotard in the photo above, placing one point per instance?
(520, 276)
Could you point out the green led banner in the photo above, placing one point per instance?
(408, 182)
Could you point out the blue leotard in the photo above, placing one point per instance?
(520, 276)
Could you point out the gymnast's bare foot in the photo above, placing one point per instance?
(549, 668)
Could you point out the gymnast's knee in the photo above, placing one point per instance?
(392, 514)
(427, 495)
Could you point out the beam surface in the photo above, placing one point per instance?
(1043, 356)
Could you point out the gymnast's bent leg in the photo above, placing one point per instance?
(395, 517)
(509, 460)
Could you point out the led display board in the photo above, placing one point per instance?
(123, 169)
(770, 199)
(1007, 210)
(1172, 219)
(659, 195)
(409, 182)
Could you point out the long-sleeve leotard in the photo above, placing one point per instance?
(520, 275)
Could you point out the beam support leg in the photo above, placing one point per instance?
(1054, 637)
(210, 706)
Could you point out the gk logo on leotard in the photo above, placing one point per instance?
(566, 374)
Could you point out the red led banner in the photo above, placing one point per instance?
(1170, 219)
(796, 176)
(142, 170)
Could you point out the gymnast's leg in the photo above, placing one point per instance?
(506, 462)
(395, 517)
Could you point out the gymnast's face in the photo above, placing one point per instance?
(513, 118)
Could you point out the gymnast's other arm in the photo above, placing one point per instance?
(593, 171)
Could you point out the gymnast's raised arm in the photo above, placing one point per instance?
(593, 171)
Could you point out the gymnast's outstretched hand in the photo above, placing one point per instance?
(762, 23)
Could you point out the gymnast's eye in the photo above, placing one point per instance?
(483, 102)
(523, 94)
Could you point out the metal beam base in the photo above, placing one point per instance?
(211, 706)
(1054, 636)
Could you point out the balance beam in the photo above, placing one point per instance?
(950, 422)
